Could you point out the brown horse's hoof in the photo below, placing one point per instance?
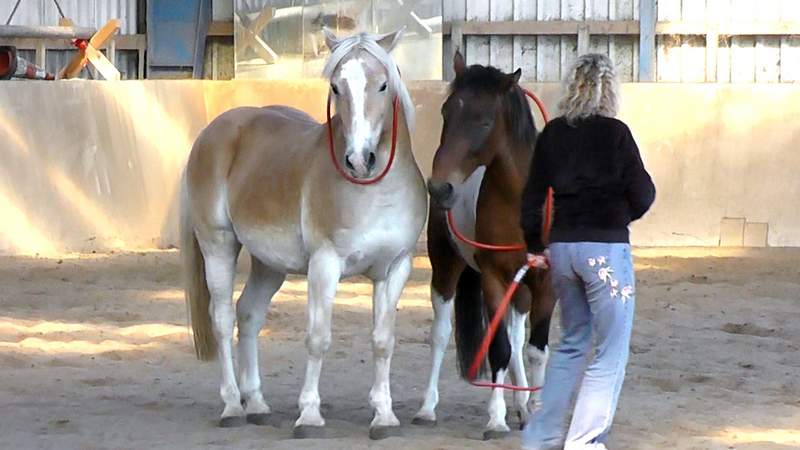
(232, 422)
(258, 419)
(379, 432)
(489, 435)
(308, 432)
(423, 422)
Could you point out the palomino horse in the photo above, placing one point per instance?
(479, 171)
(265, 179)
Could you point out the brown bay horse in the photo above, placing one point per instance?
(479, 172)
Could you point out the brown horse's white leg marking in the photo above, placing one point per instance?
(251, 312)
(220, 250)
(324, 271)
(497, 408)
(517, 363)
(537, 361)
(386, 293)
(440, 335)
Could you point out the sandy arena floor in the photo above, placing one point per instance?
(94, 354)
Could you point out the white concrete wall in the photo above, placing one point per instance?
(95, 165)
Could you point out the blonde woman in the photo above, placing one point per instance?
(592, 163)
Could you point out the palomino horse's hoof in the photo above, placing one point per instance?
(308, 432)
(258, 419)
(379, 432)
(423, 422)
(488, 435)
(232, 422)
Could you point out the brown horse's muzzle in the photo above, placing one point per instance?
(442, 193)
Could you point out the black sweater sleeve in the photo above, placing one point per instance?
(639, 189)
(534, 195)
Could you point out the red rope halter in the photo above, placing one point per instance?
(338, 166)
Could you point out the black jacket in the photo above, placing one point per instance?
(599, 182)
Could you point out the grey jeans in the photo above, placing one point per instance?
(595, 287)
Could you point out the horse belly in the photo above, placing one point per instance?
(280, 249)
(465, 215)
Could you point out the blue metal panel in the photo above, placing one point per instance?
(176, 32)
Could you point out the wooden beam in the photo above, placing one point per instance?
(617, 27)
(123, 42)
(647, 40)
(732, 29)
(41, 55)
(24, 31)
(544, 27)
(220, 29)
(583, 40)
(712, 45)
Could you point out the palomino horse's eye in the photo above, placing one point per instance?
(383, 88)
(334, 89)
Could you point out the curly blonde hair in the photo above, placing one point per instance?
(590, 88)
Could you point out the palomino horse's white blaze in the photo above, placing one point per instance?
(362, 133)
(440, 335)
(269, 170)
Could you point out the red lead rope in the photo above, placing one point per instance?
(338, 166)
(491, 330)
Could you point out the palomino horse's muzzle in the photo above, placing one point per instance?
(443, 193)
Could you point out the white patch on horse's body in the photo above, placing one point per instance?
(465, 213)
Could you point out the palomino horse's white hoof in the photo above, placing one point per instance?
(308, 432)
(488, 435)
(423, 421)
(379, 432)
(232, 422)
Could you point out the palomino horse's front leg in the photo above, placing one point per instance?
(324, 271)
(386, 293)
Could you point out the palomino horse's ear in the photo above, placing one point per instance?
(330, 39)
(459, 65)
(389, 40)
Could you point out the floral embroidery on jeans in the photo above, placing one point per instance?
(605, 274)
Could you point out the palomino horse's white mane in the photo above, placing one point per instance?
(369, 42)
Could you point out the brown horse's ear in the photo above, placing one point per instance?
(330, 39)
(389, 40)
(512, 79)
(459, 65)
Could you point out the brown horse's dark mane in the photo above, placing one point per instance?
(517, 110)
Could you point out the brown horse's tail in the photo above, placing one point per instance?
(470, 320)
(195, 287)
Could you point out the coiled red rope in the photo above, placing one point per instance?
(535, 262)
(332, 149)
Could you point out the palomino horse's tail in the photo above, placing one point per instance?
(195, 287)
(470, 320)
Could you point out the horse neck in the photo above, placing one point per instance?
(508, 171)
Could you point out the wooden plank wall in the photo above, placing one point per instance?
(761, 59)
(542, 58)
(739, 59)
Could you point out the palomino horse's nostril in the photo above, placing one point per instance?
(347, 163)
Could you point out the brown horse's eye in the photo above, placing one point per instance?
(334, 89)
